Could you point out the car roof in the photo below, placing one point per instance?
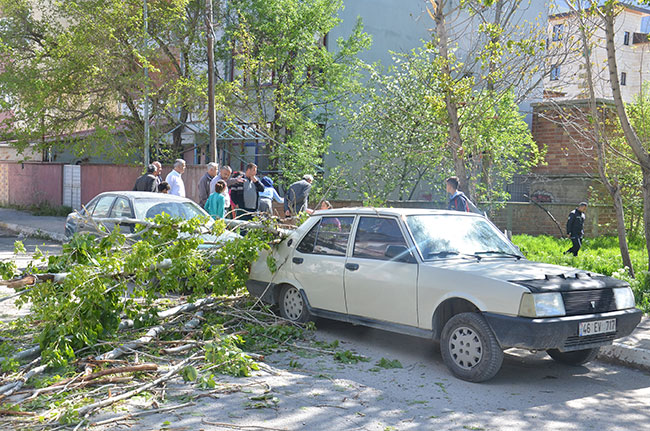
(147, 195)
(389, 211)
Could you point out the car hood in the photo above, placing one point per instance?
(536, 276)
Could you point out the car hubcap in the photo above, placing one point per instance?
(465, 348)
(293, 303)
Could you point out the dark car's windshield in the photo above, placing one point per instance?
(442, 236)
(149, 208)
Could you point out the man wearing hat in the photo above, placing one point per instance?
(268, 195)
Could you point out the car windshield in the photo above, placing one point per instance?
(149, 208)
(446, 235)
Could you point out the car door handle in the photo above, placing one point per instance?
(298, 260)
(352, 266)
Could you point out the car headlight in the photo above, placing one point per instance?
(542, 305)
(624, 298)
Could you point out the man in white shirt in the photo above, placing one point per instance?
(174, 179)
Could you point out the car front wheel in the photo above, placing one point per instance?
(292, 306)
(577, 357)
(469, 348)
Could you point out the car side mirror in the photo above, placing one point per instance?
(399, 253)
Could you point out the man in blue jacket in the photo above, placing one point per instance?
(575, 227)
(457, 201)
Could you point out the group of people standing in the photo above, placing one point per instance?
(222, 191)
(247, 194)
(152, 181)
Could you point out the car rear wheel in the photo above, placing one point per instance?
(577, 357)
(292, 306)
(469, 348)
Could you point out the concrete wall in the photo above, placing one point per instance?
(527, 218)
(9, 153)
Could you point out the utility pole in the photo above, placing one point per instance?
(146, 87)
(212, 115)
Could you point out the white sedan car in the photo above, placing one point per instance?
(448, 276)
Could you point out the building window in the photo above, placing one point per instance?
(623, 78)
(555, 73)
(557, 32)
(626, 38)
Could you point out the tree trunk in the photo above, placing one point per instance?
(631, 137)
(612, 187)
(455, 141)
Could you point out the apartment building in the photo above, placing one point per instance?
(567, 77)
(570, 172)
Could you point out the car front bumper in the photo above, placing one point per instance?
(559, 332)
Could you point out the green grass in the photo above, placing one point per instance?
(601, 255)
(43, 209)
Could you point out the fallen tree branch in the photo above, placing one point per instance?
(143, 413)
(108, 371)
(121, 350)
(86, 410)
(15, 413)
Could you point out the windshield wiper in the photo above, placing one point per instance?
(503, 253)
(451, 253)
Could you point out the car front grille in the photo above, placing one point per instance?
(577, 342)
(588, 301)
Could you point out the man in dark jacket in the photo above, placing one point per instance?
(575, 227)
(296, 199)
(245, 192)
(205, 181)
(147, 182)
(457, 201)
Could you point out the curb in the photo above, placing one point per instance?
(621, 353)
(33, 232)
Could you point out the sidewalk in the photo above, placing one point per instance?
(633, 350)
(20, 222)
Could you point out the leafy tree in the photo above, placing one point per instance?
(503, 59)
(76, 66)
(403, 131)
(632, 136)
(291, 82)
(397, 130)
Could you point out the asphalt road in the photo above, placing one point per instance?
(7, 240)
(308, 390)
(8, 309)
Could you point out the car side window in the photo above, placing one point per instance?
(103, 206)
(121, 208)
(374, 235)
(329, 237)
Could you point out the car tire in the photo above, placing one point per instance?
(292, 305)
(469, 348)
(576, 357)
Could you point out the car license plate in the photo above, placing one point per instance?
(597, 327)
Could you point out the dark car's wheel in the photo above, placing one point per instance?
(292, 306)
(469, 348)
(577, 357)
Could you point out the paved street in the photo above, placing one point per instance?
(309, 391)
(306, 390)
(8, 310)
